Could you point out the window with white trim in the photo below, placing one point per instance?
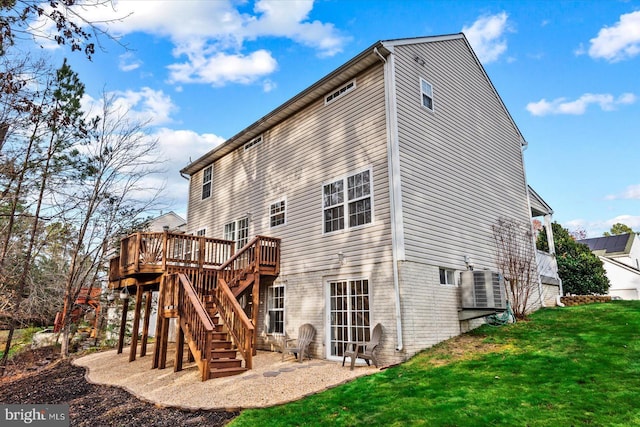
(356, 204)
(447, 277)
(275, 309)
(237, 231)
(278, 213)
(339, 92)
(253, 143)
(426, 90)
(206, 182)
(201, 232)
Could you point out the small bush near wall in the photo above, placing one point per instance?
(584, 299)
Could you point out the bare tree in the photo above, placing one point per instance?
(515, 256)
(109, 190)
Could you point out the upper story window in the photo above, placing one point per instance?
(206, 181)
(426, 90)
(237, 231)
(447, 277)
(201, 232)
(253, 143)
(277, 213)
(340, 91)
(355, 206)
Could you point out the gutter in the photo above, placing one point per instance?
(397, 231)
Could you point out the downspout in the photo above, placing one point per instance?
(397, 230)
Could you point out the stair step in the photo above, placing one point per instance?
(223, 344)
(225, 372)
(219, 335)
(221, 353)
(224, 363)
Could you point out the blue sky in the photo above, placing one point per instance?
(568, 72)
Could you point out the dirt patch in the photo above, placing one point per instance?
(91, 404)
(459, 348)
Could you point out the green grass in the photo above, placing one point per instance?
(568, 366)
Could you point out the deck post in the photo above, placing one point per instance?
(136, 324)
(123, 324)
(145, 324)
(159, 319)
(163, 345)
(179, 348)
(136, 265)
(254, 311)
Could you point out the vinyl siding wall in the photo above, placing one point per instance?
(461, 166)
(312, 148)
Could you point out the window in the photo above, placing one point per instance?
(339, 92)
(356, 203)
(349, 317)
(275, 309)
(201, 232)
(447, 277)
(237, 231)
(206, 182)
(253, 143)
(427, 94)
(277, 213)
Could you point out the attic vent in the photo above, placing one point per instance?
(339, 92)
(253, 143)
(482, 289)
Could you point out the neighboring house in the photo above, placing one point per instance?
(620, 256)
(382, 180)
(169, 221)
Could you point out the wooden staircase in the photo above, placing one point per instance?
(219, 334)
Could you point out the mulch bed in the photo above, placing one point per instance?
(35, 377)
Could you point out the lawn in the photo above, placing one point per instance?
(569, 366)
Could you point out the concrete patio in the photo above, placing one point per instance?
(271, 382)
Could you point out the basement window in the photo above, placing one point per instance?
(447, 277)
(339, 92)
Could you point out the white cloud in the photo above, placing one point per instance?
(212, 34)
(619, 42)
(596, 228)
(221, 68)
(631, 192)
(606, 102)
(128, 62)
(268, 85)
(486, 36)
(148, 106)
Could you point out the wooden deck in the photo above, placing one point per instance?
(200, 280)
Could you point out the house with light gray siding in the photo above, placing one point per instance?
(382, 181)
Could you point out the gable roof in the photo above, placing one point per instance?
(619, 264)
(368, 57)
(610, 245)
(538, 206)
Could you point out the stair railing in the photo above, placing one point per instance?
(198, 326)
(236, 320)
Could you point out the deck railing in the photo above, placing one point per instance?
(172, 249)
(261, 253)
(547, 264)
